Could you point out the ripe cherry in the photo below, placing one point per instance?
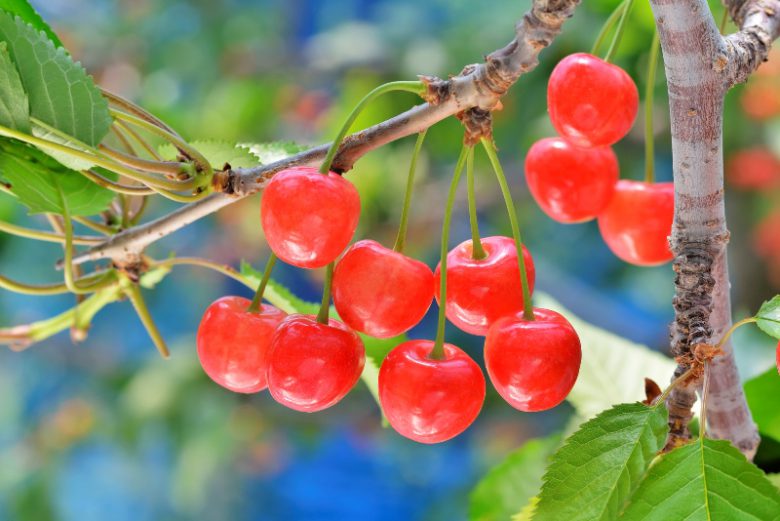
(481, 291)
(312, 366)
(429, 400)
(637, 222)
(591, 102)
(233, 343)
(308, 217)
(571, 184)
(379, 291)
(533, 364)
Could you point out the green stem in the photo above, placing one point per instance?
(619, 32)
(120, 136)
(477, 251)
(400, 241)
(416, 87)
(39, 235)
(169, 168)
(323, 315)
(437, 353)
(131, 107)
(99, 160)
(725, 338)
(254, 307)
(139, 213)
(489, 146)
(46, 289)
(724, 21)
(92, 225)
(608, 25)
(705, 389)
(172, 138)
(661, 400)
(133, 292)
(652, 67)
(138, 139)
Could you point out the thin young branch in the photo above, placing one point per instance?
(477, 87)
(701, 66)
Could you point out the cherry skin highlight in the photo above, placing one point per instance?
(379, 291)
(233, 344)
(592, 103)
(312, 366)
(638, 221)
(533, 364)
(429, 400)
(309, 218)
(481, 291)
(570, 183)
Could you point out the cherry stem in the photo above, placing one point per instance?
(677, 381)
(618, 32)
(416, 87)
(652, 67)
(123, 127)
(45, 289)
(400, 241)
(254, 307)
(608, 25)
(437, 353)
(733, 328)
(490, 149)
(705, 387)
(133, 293)
(324, 314)
(477, 251)
(39, 235)
(724, 21)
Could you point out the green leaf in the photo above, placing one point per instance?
(25, 11)
(218, 153)
(14, 105)
(613, 369)
(527, 513)
(593, 474)
(703, 481)
(37, 180)
(60, 91)
(766, 413)
(510, 485)
(768, 317)
(775, 479)
(268, 153)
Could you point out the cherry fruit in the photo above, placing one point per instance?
(312, 366)
(429, 400)
(379, 291)
(309, 217)
(753, 169)
(571, 184)
(533, 364)
(637, 222)
(591, 102)
(233, 343)
(481, 291)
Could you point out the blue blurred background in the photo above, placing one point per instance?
(104, 429)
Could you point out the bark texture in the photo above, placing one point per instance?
(701, 66)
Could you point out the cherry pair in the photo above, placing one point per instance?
(592, 105)
(306, 365)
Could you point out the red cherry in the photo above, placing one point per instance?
(308, 217)
(312, 366)
(591, 102)
(571, 184)
(379, 291)
(533, 364)
(637, 222)
(481, 291)
(233, 343)
(430, 400)
(753, 169)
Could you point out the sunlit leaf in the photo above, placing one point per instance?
(768, 317)
(14, 105)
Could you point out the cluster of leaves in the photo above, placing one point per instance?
(610, 467)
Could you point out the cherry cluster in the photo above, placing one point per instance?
(575, 178)
(430, 391)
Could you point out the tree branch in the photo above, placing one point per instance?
(477, 87)
(701, 66)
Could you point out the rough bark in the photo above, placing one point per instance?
(701, 65)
